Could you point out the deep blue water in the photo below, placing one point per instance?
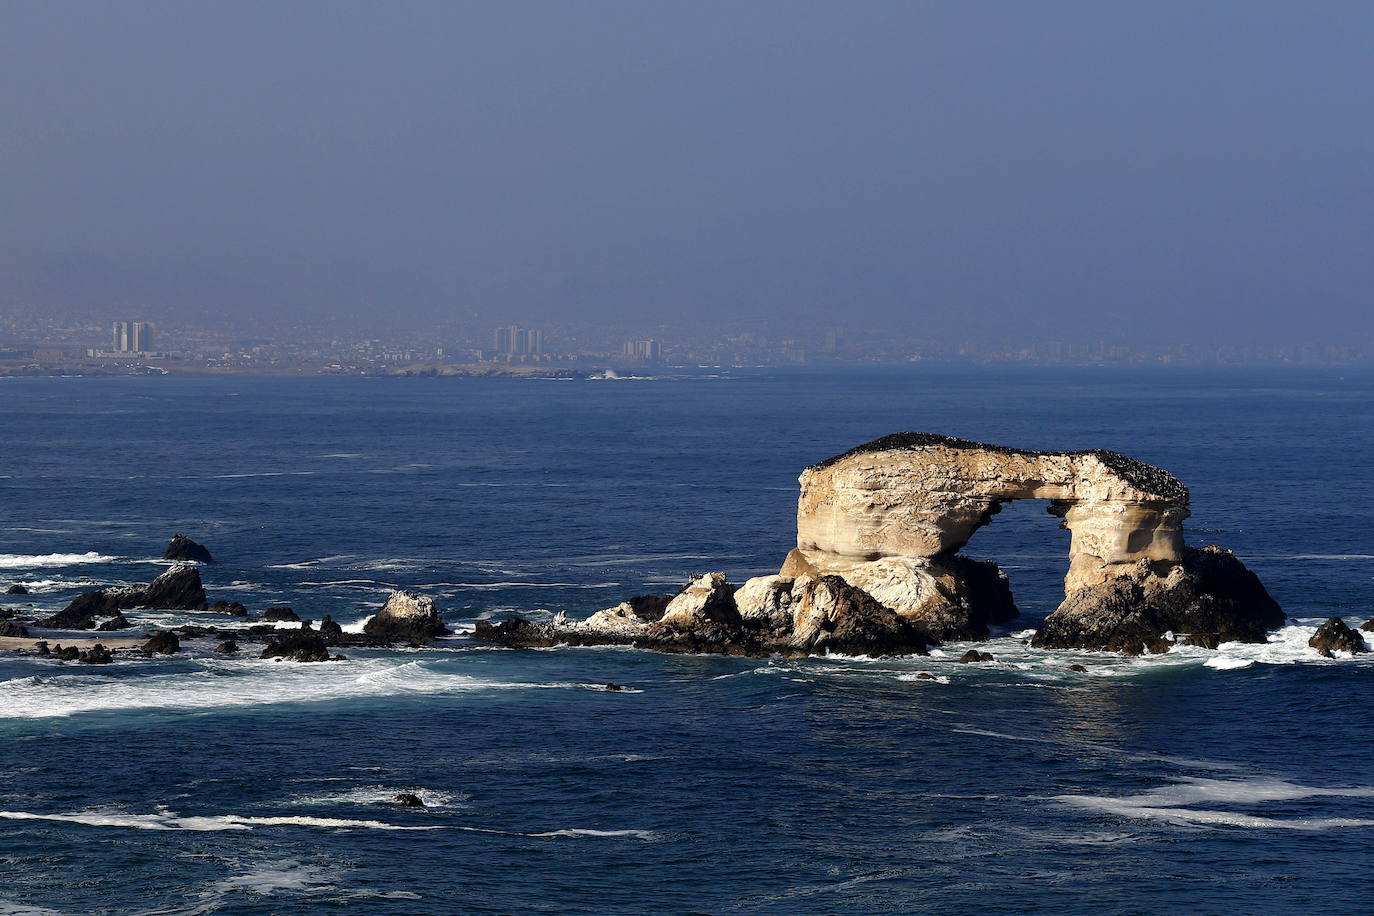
(1233, 781)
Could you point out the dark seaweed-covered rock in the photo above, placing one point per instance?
(41, 647)
(228, 607)
(1368, 626)
(1078, 668)
(1210, 595)
(66, 653)
(11, 629)
(408, 800)
(117, 622)
(973, 655)
(300, 647)
(163, 642)
(406, 617)
(183, 548)
(228, 647)
(95, 655)
(1336, 636)
(281, 613)
(16, 589)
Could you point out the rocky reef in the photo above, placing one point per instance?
(179, 588)
(876, 569)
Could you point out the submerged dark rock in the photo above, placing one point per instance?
(281, 613)
(1208, 597)
(406, 617)
(973, 655)
(1336, 636)
(299, 647)
(183, 548)
(228, 647)
(179, 588)
(16, 589)
(233, 608)
(408, 800)
(164, 642)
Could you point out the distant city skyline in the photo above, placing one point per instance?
(1180, 175)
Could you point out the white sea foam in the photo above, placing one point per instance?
(380, 795)
(216, 683)
(1171, 803)
(14, 908)
(36, 561)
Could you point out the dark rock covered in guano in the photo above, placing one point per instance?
(406, 617)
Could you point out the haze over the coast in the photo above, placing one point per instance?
(1159, 174)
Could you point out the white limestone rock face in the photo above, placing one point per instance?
(948, 598)
(919, 495)
(708, 598)
(765, 601)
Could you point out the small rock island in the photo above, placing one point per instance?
(877, 568)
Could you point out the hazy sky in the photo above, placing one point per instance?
(1168, 169)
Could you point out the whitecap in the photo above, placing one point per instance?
(33, 561)
(1172, 803)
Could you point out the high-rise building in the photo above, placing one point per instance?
(132, 336)
(649, 351)
(517, 341)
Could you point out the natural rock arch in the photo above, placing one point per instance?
(889, 517)
(923, 495)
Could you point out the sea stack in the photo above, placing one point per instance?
(185, 550)
(406, 617)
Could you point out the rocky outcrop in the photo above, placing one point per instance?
(232, 608)
(16, 589)
(822, 615)
(299, 647)
(8, 628)
(330, 631)
(1336, 636)
(184, 549)
(281, 614)
(117, 622)
(1206, 598)
(179, 588)
(948, 597)
(95, 655)
(406, 617)
(163, 642)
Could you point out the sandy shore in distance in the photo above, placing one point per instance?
(109, 642)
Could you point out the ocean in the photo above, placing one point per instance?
(1235, 780)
